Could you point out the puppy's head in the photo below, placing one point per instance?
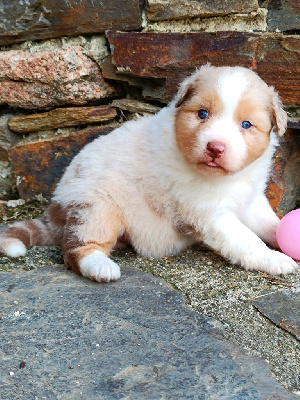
(224, 117)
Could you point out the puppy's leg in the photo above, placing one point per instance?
(90, 234)
(262, 220)
(240, 245)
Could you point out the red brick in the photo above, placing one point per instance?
(50, 78)
(32, 20)
(283, 188)
(159, 10)
(172, 55)
(278, 63)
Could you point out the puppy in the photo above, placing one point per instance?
(194, 172)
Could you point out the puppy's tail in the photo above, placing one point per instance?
(20, 236)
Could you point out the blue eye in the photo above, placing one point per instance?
(246, 125)
(202, 114)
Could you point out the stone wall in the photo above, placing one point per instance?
(73, 70)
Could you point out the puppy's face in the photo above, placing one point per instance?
(224, 117)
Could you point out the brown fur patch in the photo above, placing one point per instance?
(257, 138)
(81, 239)
(187, 123)
(35, 232)
(88, 248)
(19, 233)
(186, 95)
(186, 230)
(186, 135)
(205, 98)
(155, 206)
(279, 116)
(60, 215)
(69, 248)
(26, 231)
(57, 213)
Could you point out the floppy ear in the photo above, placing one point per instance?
(190, 84)
(279, 119)
(185, 92)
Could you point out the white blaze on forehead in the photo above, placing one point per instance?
(231, 87)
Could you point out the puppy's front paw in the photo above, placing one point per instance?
(273, 262)
(100, 268)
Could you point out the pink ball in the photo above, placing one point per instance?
(288, 234)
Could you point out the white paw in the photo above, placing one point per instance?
(273, 262)
(100, 268)
(13, 247)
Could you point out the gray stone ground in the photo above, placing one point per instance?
(65, 337)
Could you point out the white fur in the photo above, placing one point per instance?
(100, 268)
(13, 247)
(231, 87)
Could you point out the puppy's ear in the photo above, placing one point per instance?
(185, 92)
(190, 85)
(279, 117)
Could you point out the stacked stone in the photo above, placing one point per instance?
(69, 73)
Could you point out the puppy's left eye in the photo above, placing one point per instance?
(246, 125)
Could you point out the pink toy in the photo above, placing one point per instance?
(288, 234)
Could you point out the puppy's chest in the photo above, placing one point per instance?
(164, 215)
(186, 210)
(181, 215)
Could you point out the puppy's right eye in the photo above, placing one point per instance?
(202, 114)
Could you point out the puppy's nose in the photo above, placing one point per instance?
(215, 149)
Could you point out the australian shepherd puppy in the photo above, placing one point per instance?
(196, 171)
